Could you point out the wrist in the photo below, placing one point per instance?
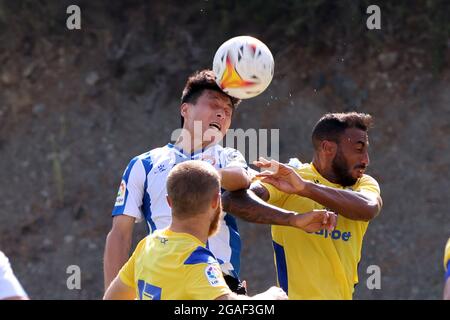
(305, 191)
(292, 220)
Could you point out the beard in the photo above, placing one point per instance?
(342, 171)
(214, 226)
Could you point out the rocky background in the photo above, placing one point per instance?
(76, 106)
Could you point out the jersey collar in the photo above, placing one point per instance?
(192, 154)
(335, 185)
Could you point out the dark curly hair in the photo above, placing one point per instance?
(332, 125)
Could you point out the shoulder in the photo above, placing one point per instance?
(227, 151)
(147, 159)
(447, 254)
(155, 154)
(367, 180)
(301, 168)
(200, 255)
(232, 156)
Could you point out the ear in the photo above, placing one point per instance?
(329, 148)
(184, 109)
(169, 201)
(216, 201)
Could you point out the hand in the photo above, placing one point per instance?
(276, 293)
(281, 176)
(315, 220)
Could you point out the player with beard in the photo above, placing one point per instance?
(320, 265)
(174, 263)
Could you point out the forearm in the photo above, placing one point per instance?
(246, 205)
(119, 291)
(234, 178)
(117, 251)
(350, 204)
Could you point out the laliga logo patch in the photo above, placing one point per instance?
(120, 200)
(213, 274)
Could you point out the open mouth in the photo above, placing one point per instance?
(215, 125)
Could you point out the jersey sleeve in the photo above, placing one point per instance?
(204, 278)
(276, 197)
(131, 191)
(369, 185)
(447, 256)
(205, 281)
(9, 285)
(233, 158)
(126, 273)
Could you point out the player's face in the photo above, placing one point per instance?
(214, 110)
(352, 158)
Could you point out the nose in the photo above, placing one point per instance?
(220, 114)
(365, 159)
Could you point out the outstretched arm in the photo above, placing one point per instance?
(351, 204)
(249, 205)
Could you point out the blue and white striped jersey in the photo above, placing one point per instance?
(142, 195)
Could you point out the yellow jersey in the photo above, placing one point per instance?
(447, 258)
(321, 265)
(168, 265)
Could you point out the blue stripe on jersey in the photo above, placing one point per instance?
(280, 258)
(200, 255)
(447, 275)
(149, 291)
(146, 203)
(118, 210)
(235, 243)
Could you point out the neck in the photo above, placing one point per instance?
(193, 226)
(189, 143)
(324, 168)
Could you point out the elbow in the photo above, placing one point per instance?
(244, 181)
(226, 200)
(229, 197)
(372, 209)
(371, 212)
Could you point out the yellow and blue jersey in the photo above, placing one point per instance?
(169, 265)
(447, 260)
(321, 265)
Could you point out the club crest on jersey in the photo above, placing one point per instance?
(120, 200)
(213, 274)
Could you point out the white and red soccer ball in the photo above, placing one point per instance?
(243, 67)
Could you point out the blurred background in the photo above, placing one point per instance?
(76, 106)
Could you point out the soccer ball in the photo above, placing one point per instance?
(243, 67)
